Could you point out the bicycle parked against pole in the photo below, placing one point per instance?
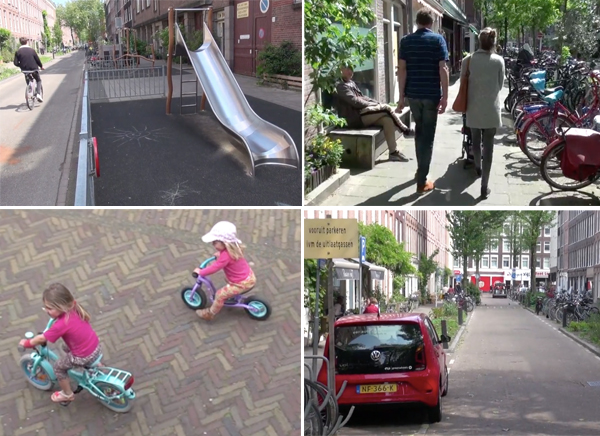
(31, 93)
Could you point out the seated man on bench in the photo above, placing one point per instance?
(360, 112)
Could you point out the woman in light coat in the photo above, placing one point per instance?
(486, 79)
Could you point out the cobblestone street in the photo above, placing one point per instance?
(231, 376)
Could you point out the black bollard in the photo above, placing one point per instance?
(460, 316)
(444, 333)
(564, 320)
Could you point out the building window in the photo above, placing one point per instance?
(138, 6)
(546, 263)
(537, 262)
(546, 246)
(524, 261)
(147, 3)
(505, 261)
(506, 246)
(494, 261)
(538, 247)
(155, 5)
(494, 246)
(485, 262)
(546, 231)
(456, 264)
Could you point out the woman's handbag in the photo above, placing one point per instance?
(460, 104)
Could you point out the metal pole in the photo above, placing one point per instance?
(316, 319)
(360, 283)
(331, 322)
(170, 52)
(409, 13)
(460, 316)
(203, 100)
(444, 333)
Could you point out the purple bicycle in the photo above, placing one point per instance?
(202, 294)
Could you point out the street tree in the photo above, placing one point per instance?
(462, 224)
(580, 27)
(513, 233)
(384, 250)
(427, 266)
(534, 221)
(57, 34)
(46, 34)
(85, 18)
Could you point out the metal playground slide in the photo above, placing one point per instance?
(266, 143)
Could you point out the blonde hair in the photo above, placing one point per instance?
(236, 251)
(58, 297)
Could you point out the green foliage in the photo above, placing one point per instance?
(284, 59)
(581, 28)
(310, 284)
(473, 290)
(384, 250)
(332, 38)
(427, 266)
(532, 297)
(317, 115)
(533, 223)
(7, 55)
(57, 34)
(452, 326)
(565, 54)
(397, 296)
(398, 284)
(381, 300)
(46, 34)
(446, 274)
(194, 39)
(84, 17)
(7, 72)
(4, 38)
(321, 152)
(589, 329)
(448, 310)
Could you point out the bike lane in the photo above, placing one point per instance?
(515, 373)
(232, 376)
(36, 146)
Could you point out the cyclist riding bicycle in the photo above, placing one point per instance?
(27, 59)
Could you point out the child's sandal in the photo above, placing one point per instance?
(60, 397)
(205, 314)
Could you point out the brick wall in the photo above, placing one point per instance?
(288, 23)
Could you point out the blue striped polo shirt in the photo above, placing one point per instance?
(423, 51)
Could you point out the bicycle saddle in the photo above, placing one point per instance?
(549, 91)
(95, 363)
(554, 97)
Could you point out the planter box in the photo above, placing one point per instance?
(318, 177)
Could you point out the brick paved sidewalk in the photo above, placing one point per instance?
(233, 376)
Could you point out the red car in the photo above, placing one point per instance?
(390, 358)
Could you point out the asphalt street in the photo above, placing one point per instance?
(34, 145)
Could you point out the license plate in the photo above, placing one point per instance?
(376, 389)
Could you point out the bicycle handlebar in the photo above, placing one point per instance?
(203, 265)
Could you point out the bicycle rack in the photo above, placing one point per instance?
(340, 422)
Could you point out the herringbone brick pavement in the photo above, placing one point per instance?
(233, 376)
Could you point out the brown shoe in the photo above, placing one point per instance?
(205, 314)
(428, 186)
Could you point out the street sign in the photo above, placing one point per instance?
(330, 238)
(540, 35)
(363, 249)
(322, 263)
(458, 278)
(514, 273)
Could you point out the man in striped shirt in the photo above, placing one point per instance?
(421, 70)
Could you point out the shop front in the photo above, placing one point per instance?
(346, 280)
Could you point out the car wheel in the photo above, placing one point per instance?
(435, 412)
(445, 391)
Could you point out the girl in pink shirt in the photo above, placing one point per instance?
(72, 324)
(230, 259)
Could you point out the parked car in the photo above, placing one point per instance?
(389, 358)
(499, 290)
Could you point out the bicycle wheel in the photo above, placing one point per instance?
(40, 380)
(536, 136)
(119, 405)
(316, 392)
(260, 309)
(313, 426)
(29, 97)
(553, 175)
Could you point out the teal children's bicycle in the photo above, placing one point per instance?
(111, 386)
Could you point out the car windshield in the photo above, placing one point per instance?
(373, 349)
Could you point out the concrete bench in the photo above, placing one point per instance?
(363, 147)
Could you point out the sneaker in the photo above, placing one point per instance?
(427, 187)
(39, 98)
(396, 156)
(485, 192)
(410, 133)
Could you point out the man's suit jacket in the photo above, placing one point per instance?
(349, 103)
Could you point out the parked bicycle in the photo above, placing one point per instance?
(110, 386)
(203, 293)
(31, 89)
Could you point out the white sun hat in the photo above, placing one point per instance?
(223, 231)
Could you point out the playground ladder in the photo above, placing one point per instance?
(181, 82)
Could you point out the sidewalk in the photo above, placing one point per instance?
(514, 180)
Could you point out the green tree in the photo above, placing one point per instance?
(46, 34)
(534, 221)
(462, 224)
(488, 224)
(310, 284)
(384, 250)
(427, 266)
(57, 34)
(513, 233)
(85, 18)
(4, 37)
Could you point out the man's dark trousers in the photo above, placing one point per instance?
(425, 114)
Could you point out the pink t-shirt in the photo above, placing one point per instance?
(236, 271)
(78, 334)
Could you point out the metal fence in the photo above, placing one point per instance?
(127, 83)
(86, 167)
